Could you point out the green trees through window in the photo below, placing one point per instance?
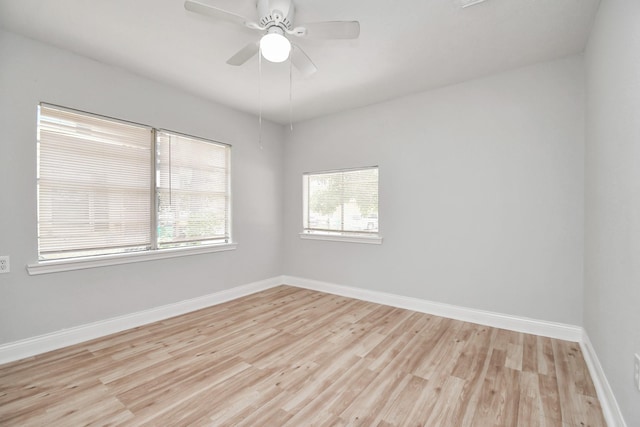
(343, 201)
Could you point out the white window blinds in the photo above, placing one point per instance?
(192, 190)
(93, 185)
(343, 201)
(109, 187)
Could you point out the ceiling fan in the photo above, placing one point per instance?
(276, 22)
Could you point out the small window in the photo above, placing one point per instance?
(107, 186)
(343, 202)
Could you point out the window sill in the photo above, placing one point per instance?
(349, 238)
(55, 266)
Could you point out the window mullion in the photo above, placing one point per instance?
(342, 202)
(153, 193)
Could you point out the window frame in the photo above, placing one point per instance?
(228, 207)
(349, 236)
(43, 266)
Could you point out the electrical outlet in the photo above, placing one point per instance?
(636, 371)
(4, 264)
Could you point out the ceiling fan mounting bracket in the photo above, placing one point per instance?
(276, 13)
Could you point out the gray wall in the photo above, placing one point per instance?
(31, 72)
(612, 201)
(481, 193)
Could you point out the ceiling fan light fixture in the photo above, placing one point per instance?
(275, 47)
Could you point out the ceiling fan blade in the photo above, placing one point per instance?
(332, 30)
(244, 54)
(214, 12)
(302, 62)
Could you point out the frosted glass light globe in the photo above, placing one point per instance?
(275, 47)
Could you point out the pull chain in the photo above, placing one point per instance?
(260, 97)
(291, 94)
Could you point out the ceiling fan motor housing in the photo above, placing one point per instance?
(276, 13)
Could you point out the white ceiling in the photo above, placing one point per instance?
(405, 46)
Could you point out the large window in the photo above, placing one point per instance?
(343, 202)
(110, 187)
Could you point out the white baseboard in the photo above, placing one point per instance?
(52, 341)
(610, 408)
(497, 320)
(55, 340)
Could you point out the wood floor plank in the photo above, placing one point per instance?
(530, 412)
(360, 412)
(545, 363)
(530, 353)
(472, 366)
(396, 340)
(217, 398)
(445, 341)
(574, 386)
(333, 399)
(397, 410)
(500, 394)
(438, 375)
(447, 404)
(320, 380)
(515, 352)
(295, 357)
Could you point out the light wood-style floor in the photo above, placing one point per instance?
(294, 357)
